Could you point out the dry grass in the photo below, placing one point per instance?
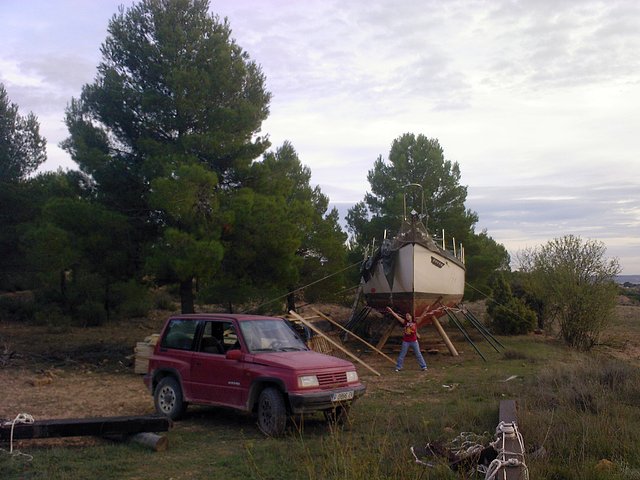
(582, 408)
(89, 371)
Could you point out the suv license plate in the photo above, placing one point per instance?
(342, 396)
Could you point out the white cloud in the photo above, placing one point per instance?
(12, 74)
(537, 101)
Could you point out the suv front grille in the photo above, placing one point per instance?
(330, 379)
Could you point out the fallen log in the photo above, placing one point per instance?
(158, 443)
(78, 427)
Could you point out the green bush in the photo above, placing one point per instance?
(514, 318)
(53, 318)
(83, 287)
(508, 315)
(576, 281)
(163, 300)
(131, 299)
(17, 309)
(91, 314)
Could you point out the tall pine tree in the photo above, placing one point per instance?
(173, 89)
(420, 160)
(22, 151)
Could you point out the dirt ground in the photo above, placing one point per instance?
(89, 372)
(84, 372)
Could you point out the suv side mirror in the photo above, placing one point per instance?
(234, 354)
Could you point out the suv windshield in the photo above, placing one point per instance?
(270, 336)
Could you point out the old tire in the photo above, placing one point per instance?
(168, 398)
(272, 412)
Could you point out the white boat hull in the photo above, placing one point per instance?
(423, 281)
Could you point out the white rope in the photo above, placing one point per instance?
(468, 443)
(420, 462)
(505, 430)
(20, 418)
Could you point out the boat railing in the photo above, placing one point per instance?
(456, 248)
(405, 207)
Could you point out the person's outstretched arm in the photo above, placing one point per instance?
(398, 317)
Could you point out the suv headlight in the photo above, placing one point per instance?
(307, 381)
(352, 376)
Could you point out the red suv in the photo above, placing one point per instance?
(248, 362)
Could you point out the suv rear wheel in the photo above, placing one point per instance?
(168, 398)
(272, 412)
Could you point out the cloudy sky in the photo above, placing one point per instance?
(538, 101)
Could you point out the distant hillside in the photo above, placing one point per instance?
(621, 279)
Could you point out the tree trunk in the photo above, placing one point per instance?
(107, 299)
(186, 296)
(63, 289)
(291, 301)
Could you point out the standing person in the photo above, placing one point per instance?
(409, 339)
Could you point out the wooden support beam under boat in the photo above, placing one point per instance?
(353, 335)
(444, 337)
(385, 336)
(321, 333)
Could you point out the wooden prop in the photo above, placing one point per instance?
(385, 336)
(319, 332)
(444, 336)
(353, 335)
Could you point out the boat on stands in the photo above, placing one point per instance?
(412, 272)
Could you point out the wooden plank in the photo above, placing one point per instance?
(319, 344)
(444, 337)
(353, 335)
(322, 334)
(508, 411)
(78, 427)
(512, 447)
(385, 336)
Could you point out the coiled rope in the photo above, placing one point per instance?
(506, 430)
(468, 443)
(20, 418)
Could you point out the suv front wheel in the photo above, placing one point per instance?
(168, 398)
(272, 412)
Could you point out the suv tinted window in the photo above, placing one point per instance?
(180, 334)
(218, 337)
